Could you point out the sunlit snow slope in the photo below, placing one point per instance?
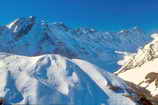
(142, 68)
(56, 80)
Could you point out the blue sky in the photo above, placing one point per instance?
(108, 15)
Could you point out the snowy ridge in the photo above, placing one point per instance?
(31, 37)
(141, 69)
(53, 79)
(148, 53)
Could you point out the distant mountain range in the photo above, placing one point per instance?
(31, 37)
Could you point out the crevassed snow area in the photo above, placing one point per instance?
(53, 79)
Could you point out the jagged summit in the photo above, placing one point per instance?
(22, 21)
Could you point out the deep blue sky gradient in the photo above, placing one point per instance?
(108, 15)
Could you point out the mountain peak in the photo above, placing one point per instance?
(22, 26)
(134, 29)
(137, 29)
(84, 30)
(21, 21)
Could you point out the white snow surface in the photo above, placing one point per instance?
(138, 74)
(142, 68)
(53, 79)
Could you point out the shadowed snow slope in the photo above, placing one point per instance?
(29, 37)
(53, 79)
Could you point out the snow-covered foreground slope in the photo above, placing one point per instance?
(53, 79)
(29, 37)
(142, 68)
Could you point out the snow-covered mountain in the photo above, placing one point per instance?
(49, 63)
(56, 80)
(31, 37)
(142, 68)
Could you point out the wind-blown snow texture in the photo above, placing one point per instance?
(30, 37)
(53, 79)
